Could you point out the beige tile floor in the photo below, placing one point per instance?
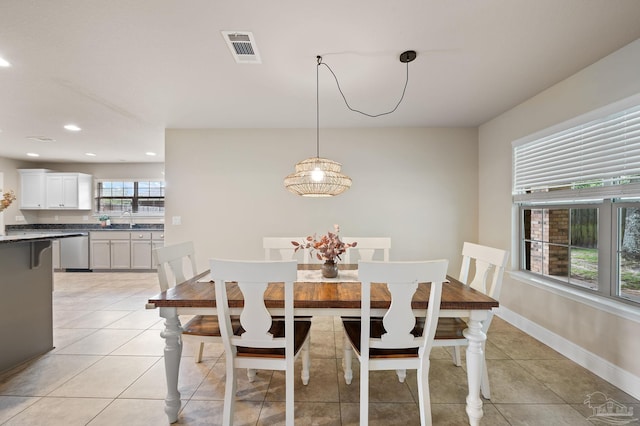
(107, 369)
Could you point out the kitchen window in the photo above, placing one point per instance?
(577, 193)
(141, 197)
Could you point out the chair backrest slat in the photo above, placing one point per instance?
(252, 278)
(367, 247)
(174, 263)
(285, 249)
(402, 280)
(489, 263)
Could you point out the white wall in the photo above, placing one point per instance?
(601, 337)
(97, 170)
(9, 167)
(417, 186)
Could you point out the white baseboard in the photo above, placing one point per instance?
(613, 374)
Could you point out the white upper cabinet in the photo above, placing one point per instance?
(68, 191)
(32, 188)
(55, 191)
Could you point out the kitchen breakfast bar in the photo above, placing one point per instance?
(26, 286)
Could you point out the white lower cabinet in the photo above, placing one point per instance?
(120, 254)
(100, 253)
(141, 250)
(110, 250)
(124, 249)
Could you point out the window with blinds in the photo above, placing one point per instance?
(577, 190)
(598, 154)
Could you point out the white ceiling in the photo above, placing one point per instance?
(125, 70)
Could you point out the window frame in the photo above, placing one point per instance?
(615, 282)
(608, 241)
(135, 197)
(568, 244)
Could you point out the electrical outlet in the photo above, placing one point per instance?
(85, 217)
(19, 218)
(176, 220)
(56, 217)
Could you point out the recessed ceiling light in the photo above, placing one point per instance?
(150, 154)
(4, 62)
(32, 154)
(72, 127)
(89, 154)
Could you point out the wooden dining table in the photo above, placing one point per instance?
(321, 298)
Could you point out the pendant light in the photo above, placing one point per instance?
(321, 177)
(316, 176)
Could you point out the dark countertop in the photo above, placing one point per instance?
(38, 237)
(83, 227)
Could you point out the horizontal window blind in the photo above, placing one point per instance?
(605, 152)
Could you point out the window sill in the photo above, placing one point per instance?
(613, 307)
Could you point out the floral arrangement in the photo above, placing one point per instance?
(328, 247)
(7, 199)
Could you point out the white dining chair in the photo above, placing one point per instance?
(366, 248)
(284, 248)
(394, 342)
(260, 341)
(175, 264)
(489, 264)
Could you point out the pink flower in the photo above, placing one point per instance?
(328, 247)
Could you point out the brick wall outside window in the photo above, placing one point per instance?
(550, 227)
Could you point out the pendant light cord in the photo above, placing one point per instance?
(319, 58)
(345, 99)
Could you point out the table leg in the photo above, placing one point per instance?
(475, 364)
(172, 335)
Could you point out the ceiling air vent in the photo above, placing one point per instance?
(242, 46)
(41, 139)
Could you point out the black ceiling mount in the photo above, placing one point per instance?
(407, 56)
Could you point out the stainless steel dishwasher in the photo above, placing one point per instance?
(74, 252)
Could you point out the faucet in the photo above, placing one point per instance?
(128, 213)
